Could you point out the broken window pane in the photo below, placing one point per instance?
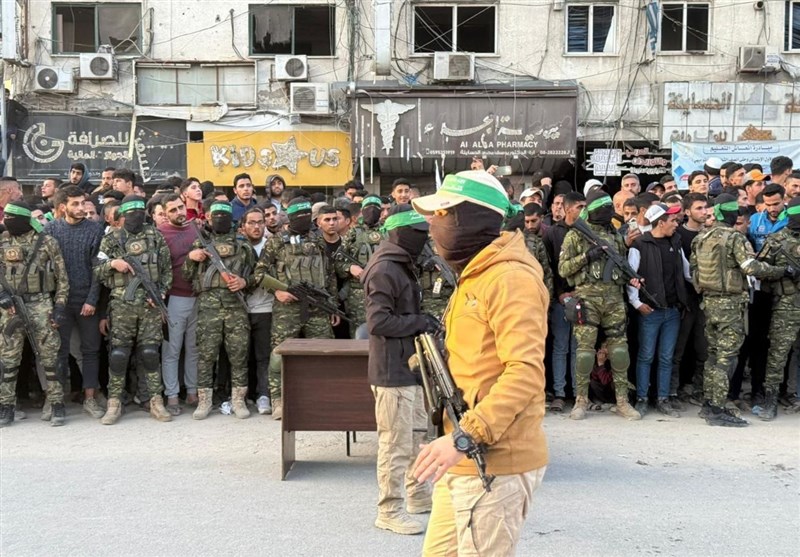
(84, 28)
(309, 30)
(433, 29)
(120, 26)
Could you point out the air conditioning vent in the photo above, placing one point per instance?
(53, 80)
(102, 65)
(453, 66)
(310, 98)
(291, 68)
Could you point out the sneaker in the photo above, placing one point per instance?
(676, 404)
(725, 418)
(59, 414)
(641, 406)
(6, 414)
(91, 407)
(664, 406)
(264, 406)
(705, 410)
(399, 524)
(101, 399)
(277, 410)
(557, 405)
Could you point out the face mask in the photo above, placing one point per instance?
(371, 214)
(464, 231)
(134, 221)
(602, 215)
(410, 239)
(794, 223)
(300, 224)
(221, 223)
(17, 225)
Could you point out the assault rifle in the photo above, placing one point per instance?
(614, 259)
(343, 257)
(21, 318)
(429, 256)
(141, 277)
(219, 265)
(307, 295)
(441, 393)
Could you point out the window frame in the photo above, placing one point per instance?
(294, 6)
(55, 40)
(219, 83)
(591, 6)
(454, 10)
(788, 30)
(684, 51)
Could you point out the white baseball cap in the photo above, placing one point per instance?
(475, 186)
(590, 185)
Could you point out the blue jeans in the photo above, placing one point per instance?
(563, 343)
(660, 327)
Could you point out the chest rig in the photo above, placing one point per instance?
(230, 252)
(143, 248)
(303, 260)
(27, 269)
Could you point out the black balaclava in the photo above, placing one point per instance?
(793, 211)
(132, 209)
(599, 208)
(299, 212)
(221, 217)
(410, 239)
(17, 218)
(463, 231)
(407, 229)
(726, 209)
(371, 210)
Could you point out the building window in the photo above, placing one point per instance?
(84, 27)
(196, 84)
(791, 35)
(684, 27)
(455, 28)
(309, 30)
(590, 29)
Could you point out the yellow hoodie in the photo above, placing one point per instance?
(496, 328)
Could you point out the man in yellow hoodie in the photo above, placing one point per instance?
(496, 327)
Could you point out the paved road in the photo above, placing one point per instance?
(656, 487)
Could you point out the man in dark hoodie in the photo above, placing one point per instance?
(394, 316)
(275, 186)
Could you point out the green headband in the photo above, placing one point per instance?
(292, 209)
(406, 218)
(477, 191)
(594, 205)
(793, 210)
(728, 207)
(220, 208)
(131, 206)
(23, 212)
(371, 200)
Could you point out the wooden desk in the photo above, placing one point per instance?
(325, 388)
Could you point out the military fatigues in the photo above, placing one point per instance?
(47, 285)
(294, 258)
(359, 242)
(785, 322)
(220, 315)
(437, 287)
(132, 321)
(720, 261)
(536, 247)
(603, 303)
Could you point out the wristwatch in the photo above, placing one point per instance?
(463, 441)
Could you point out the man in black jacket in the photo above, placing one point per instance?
(658, 257)
(392, 294)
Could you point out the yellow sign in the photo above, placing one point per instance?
(310, 158)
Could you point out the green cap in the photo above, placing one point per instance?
(297, 207)
(371, 200)
(220, 208)
(131, 206)
(475, 186)
(405, 218)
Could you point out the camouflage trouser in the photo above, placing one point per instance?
(435, 305)
(287, 323)
(356, 309)
(133, 324)
(219, 321)
(782, 334)
(49, 342)
(725, 324)
(604, 308)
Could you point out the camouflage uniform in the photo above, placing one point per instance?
(220, 315)
(536, 247)
(359, 242)
(603, 303)
(47, 285)
(720, 261)
(131, 319)
(436, 289)
(294, 258)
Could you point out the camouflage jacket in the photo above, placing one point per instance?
(535, 245)
(238, 257)
(47, 272)
(778, 248)
(360, 243)
(294, 258)
(574, 266)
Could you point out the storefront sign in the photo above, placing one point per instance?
(303, 158)
(616, 162)
(50, 143)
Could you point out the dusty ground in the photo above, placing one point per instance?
(655, 487)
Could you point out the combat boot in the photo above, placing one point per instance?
(204, 398)
(625, 410)
(158, 411)
(277, 409)
(6, 414)
(59, 414)
(579, 410)
(399, 523)
(723, 417)
(47, 410)
(769, 411)
(239, 403)
(113, 412)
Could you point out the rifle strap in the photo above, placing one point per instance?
(23, 285)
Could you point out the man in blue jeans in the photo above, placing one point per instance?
(658, 257)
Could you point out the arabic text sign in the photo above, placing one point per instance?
(50, 143)
(465, 126)
(615, 162)
(688, 157)
(303, 158)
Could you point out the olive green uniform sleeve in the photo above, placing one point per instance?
(747, 262)
(109, 250)
(59, 270)
(190, 267)
(164, 264)
(343, 267)
(573, 256)
(248, 264)
(536, 247)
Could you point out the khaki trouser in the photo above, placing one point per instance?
(398, 410)
(468, 521)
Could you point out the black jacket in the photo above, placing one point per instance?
(651, 268)
(392, 295)
(553, 238)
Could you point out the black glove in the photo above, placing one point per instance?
(594, 253)
(5, 300)
(791, 272)
(433, 325)
(59, 315)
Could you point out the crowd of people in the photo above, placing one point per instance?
(177, 300)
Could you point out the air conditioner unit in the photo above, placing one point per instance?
(453, 66)
(291, 68)
(754, 59)
(310, 98)
(48, 79)
(101, 65)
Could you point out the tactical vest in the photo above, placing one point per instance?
(716, 269)
(593, 272)
(41, 274)
(303, 261)
(145, 249)
(229, 251)
(367, 240)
